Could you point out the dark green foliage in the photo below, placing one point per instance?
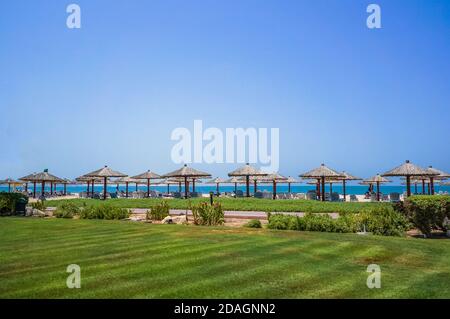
(9, 202)
(159, 211)
(208, 215)
(40, 205)
(68, 210)
(104, 212)
(253, 223)
(427, 213)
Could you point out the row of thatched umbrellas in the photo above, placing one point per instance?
(246, 174)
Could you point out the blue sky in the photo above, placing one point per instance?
(111, 92)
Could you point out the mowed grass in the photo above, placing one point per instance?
(121, 259)
(237, 204)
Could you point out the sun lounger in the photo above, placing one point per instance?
(311, 195)
(353, 198)
(335, 197)
(394, 197)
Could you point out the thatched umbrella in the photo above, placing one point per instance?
(43, 177)
(217, 181)
(127, 181)
(347, 177)
(148, 175)
(247, 171)
(290, 180)
(274, 179)
(168, 182)
(89, 181)
(187, 172)
(9, 182)
(408, 170)
(377, 179)
(438, 175)
(26, 180)
(321, 173)
(444, 183)
(235, 181)
(104, 173)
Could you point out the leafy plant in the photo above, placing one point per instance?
(158, 212)
(39, 205)
(104, 212)
(67, 210)
(9, 202)
(253, 223)
(208, 215)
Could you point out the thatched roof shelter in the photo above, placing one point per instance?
(186, 173)
(217, 181)
(347, 177)
(9, 182)
(321, 173)
(42, 177)
(290, 180)
(148, 175)
(247, 171)
(105, 172)
(274, 178)
(377, 179)
(408, 170)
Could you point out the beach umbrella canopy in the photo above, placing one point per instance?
(148, 175)
(42, 177)
(127, 180)
(274, 178)
(439, 175)
(347, 177)
(234, 180)
(9, 182)
(187, 172)
(290, 180)
(408, 170)
(377, 179)
(104, 173)
(217, 181)
(321, 173)
(247, 171)
(444, 183)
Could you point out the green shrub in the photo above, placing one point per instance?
(104, 212)
(208, 215)
(254, 223)
(67, 210)
(9, 202)
(39, 205)
(382, 221)
(282, 222)
(427, 213)
(158, 212)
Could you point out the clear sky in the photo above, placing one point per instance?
(111, 92)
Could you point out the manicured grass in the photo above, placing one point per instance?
(240, 204)
(121, 259)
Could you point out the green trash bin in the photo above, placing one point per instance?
(21, 206)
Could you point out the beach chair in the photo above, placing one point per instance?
(176, 195)
(353, 198)
(394, 197)
(311, 195)
(113, 195)
(373, 197)
(239, 193)
(335, 197)
(258, 195)
(385, 198)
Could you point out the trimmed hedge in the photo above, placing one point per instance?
(158, 212)
(380, 221)
(9, 202)
(104, 212)
(67, 210)
(427, 213)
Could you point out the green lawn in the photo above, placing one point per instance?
(240, 204)
(121, 259)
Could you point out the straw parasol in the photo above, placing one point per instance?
(168, 182)
(408, 170)
(290, 180)
(26, 180)
(9, 182)
(377, 179)
(89, 180)
(235, 181)
(274, 179)
(347, 177)
(126, 181)
(444, 183)
(187, 172)
(43, 177)
(321, 173)
(438, 175)
(247, 171)
(216, 181)
(148, 175)
(104, 173)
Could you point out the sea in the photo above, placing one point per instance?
(350, 189)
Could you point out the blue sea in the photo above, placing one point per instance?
(350, 189)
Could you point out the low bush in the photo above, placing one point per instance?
(253, 223)
(208, 215)
(39, 205)
(427, 213)
(379, 221)
(104, 212)
(9, 202)
(67, 210)
(158, 212)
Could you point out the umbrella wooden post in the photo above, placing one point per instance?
(51, 188)
(289, 187)
(179, 187)
(319, 196)
(168, 188)
(65, 189)
(408, 185)
(148, 187)
(193, 184)
(323, 188)
(34, 189)
(9, 188)
(274, 190)
(432, 185)
(344, 190)
(331, 189)
(217, 189)
(185, 188)
(255, 186)
(423, 187)
(429, 188)
(247, 183)
(26, 187)
(136, 187)
(104, 187)
(126, 189)
(235, 188)
(43, 189)
(378, 191)
(87, 191)
(415, 188)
